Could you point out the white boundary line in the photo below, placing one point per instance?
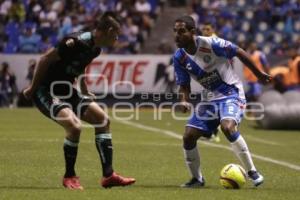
(255, 139)
(177, 136)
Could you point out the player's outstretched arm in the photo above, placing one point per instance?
(45, 61)
(184, 92)
(245, 58)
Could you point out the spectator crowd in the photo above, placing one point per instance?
(32, 26)
(273, 24)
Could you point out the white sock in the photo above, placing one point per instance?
(192, 160)
(241, 150)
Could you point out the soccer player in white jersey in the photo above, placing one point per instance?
(206, 60)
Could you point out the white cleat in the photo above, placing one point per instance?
(256, 178)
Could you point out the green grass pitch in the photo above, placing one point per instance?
(31, 161)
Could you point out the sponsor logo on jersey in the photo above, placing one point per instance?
(210, 80)
(205, 50)
(206, 58)
(70, 42)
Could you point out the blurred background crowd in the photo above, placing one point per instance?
(268, 29)
(32, 26)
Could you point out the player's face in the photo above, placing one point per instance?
(207, 30)
(112, 36)
(183, 36)
(107, 38)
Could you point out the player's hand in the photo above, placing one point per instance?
(28, 92)
(184, 106)
(264, 78)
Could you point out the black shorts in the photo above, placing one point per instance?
(50, 105)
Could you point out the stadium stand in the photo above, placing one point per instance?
(269, 23)
(272, 24)
(25, 22)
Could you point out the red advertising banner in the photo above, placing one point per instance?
(116, 73)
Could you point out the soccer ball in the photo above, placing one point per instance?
(232, 176)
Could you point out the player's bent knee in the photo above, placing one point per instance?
(103, 127)
(188, 141)
(75, 129)
(102, 121)
(227, 127)
(230, 131)
(107, 122)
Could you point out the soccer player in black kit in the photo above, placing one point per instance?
(53, 94)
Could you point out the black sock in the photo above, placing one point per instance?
(70, 152)
(105, 150)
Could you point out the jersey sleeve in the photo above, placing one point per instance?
(223, 48)
(182, 76)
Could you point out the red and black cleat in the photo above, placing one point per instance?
(72, 183)
(116, 180)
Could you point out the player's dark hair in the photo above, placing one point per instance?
(209, 23)
(107, 20)
(188, 20)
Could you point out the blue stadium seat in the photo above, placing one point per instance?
(297, 26)
(249, 14)
(245, 26)
(263, 26)
(295, 37)
(267, 48)
(241, 37)
(259, 38)
(279, 26)
(277, 37)
(241, 3)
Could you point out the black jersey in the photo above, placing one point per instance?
(76, 51)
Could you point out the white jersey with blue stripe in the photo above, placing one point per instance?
(211, 66)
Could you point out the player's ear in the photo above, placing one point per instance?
(193, 31)
(110, 30)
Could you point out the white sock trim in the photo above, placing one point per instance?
(70, 143)
(103, 136)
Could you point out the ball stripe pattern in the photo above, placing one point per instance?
(231, 182)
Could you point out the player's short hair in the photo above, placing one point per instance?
(107, 20)
(188, 20)
(209, 23)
